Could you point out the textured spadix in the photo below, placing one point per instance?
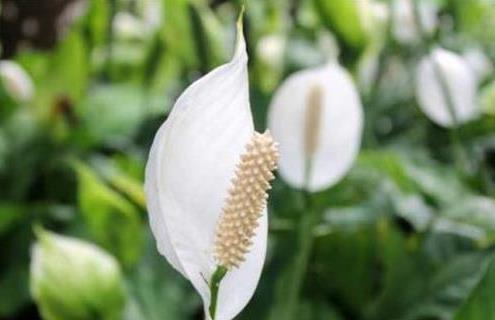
(189, 172)
(460, 83)
(316, 116)
(246, 200)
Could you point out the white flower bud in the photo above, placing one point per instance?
(16, 81)
(73, 279)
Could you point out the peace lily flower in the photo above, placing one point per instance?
(446, 88)
(206, 185)
(405, 20)
(16, 81)
(316, 116)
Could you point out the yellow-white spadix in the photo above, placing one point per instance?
(206, 186)
(446, 88)
(316, 116)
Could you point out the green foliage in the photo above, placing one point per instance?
(478, 305)
(112, 220)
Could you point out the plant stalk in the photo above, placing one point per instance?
(305, 240)
(215, 281)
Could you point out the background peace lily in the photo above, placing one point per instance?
(446, 88)
(189, 172)
(316, 116)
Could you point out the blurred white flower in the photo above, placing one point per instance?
(128, 26)
(270, 49)
(206, 181)
(316, 116)
(73, 279)
(404, 22)
(16, 81)
(441, 70)
(479, 62)
(152, 14)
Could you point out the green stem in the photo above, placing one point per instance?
(459, 152)
(305, 240)
(216, 278)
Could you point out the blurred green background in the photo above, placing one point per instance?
(408, 234)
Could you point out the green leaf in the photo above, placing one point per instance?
(111, 114)
(177, 22)
(111, 219)
(9, 215)
(474, 215)
(479, 305)
(425, 279)
(156, 291)
(346, 19)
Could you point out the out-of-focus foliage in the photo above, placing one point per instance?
(408, 234)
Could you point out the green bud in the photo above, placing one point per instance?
(354, 22)
(73, 279)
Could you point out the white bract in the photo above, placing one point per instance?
(316, 116)
(405, 23)
(207, 168)
(443, 77)
(479, 62)
(16, 81)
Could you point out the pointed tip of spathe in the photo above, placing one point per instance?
(240, 41)
(240, 18)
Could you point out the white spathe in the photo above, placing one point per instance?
(340, 126)
(191, 164)
(479, 62)
(16, 81)
(460, 81)
(404, 22)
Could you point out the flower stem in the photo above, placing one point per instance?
(216, 278)
(304, 240)
(458, 149)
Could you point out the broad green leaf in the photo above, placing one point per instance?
(111, 219)
(156, 291)
(177, 22)
(346, 19)
(10, 214)
(479, 305)
(111, 114)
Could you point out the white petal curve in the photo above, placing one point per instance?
(461, 82)
(157, 224)
(341, 124)
(197, 150)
